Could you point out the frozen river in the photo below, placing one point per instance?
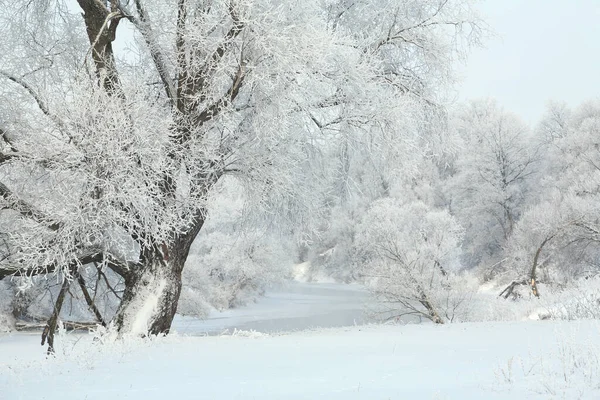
(296, 306)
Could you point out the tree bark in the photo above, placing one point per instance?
(101, 26)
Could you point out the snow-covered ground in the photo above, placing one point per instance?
(513, 360)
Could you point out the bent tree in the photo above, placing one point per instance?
(119, 117)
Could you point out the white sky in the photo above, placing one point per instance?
(545, 49)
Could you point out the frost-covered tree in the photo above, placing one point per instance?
(555, 123)
(409, 254)
(416, 45)
(573, 160)
(135, 145)
(495, 159)
(556, 240)
(111, 157)
(540, 236)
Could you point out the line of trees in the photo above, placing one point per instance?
(493, 198)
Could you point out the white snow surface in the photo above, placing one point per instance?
(507, 360)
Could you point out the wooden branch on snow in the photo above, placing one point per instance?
(510, 288)
(22, 326)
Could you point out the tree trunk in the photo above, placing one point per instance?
(152, 290)
(50, 327)
(150, 298)
(533, 272)
(432, 314)
(532, 278)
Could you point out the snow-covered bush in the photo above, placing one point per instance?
(228, 270)
(487, 306)
(409, 256)
(576, 300)
(333, 254)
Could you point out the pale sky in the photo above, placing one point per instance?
(545, 49)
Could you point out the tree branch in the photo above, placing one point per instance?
(41, 103)
(160, 61)
(50, 328)
(92, 256)
(25, 209)
(88, 299)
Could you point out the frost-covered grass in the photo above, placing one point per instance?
(568, 370)
(580, 301)
(506, 360)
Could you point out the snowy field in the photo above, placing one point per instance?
(513, 360)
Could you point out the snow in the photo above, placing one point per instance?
(148, 306)
(503, 360)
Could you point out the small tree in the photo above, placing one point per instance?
(555, 242)
(409, 255)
